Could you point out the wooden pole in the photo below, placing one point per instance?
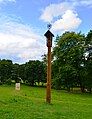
(49, 36)
(48, 93)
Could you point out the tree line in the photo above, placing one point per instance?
(71, 65)
(31, 73)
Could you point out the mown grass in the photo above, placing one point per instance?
(29, 103)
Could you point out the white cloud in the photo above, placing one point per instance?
(81, 2)
(63, 16)
(55, 10)
(1, 1)
(6, 2)
(69, 21)
(19, 41)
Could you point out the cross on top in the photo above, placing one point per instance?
(49, 26)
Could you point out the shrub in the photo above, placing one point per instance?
(9, 81)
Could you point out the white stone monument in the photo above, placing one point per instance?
(17, 86)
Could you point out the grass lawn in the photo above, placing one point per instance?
(29, 103)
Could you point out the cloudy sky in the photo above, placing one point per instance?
(24, 22)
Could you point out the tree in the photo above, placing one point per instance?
(88, 62)
(89, 38)
(34, 72)
(5, 70)
(21, 72)
(68, 55)
(15, 73)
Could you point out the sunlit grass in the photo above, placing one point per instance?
(29, 103)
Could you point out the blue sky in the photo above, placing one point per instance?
(24, 22)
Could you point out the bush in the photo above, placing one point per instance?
(9, 81)
(1, 83)
(56, 83)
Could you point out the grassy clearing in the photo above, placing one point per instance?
(29, 103)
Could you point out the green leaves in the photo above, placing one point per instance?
(69, 57)
(34, 72)
(5, 70)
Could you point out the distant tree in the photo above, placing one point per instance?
(15, 72)
(89, 38)
(44, 59)
(88, 62)
(5, 70)
(34, 72)
(21, 72)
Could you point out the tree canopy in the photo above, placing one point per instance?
(70, 67)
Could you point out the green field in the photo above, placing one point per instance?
(29, 103)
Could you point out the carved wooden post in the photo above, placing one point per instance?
(49, 36)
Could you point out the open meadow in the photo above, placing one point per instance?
(29, 103)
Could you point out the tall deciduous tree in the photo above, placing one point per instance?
(68, 54)
(88, 63)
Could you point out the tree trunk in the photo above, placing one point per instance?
(68, 89)
(82, 89)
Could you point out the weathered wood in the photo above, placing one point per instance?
(49, 36)
(48, 93)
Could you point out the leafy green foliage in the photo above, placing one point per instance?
(34, 72)
(89, 38)
(29, 73)
(5, 70)
(69, 56)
